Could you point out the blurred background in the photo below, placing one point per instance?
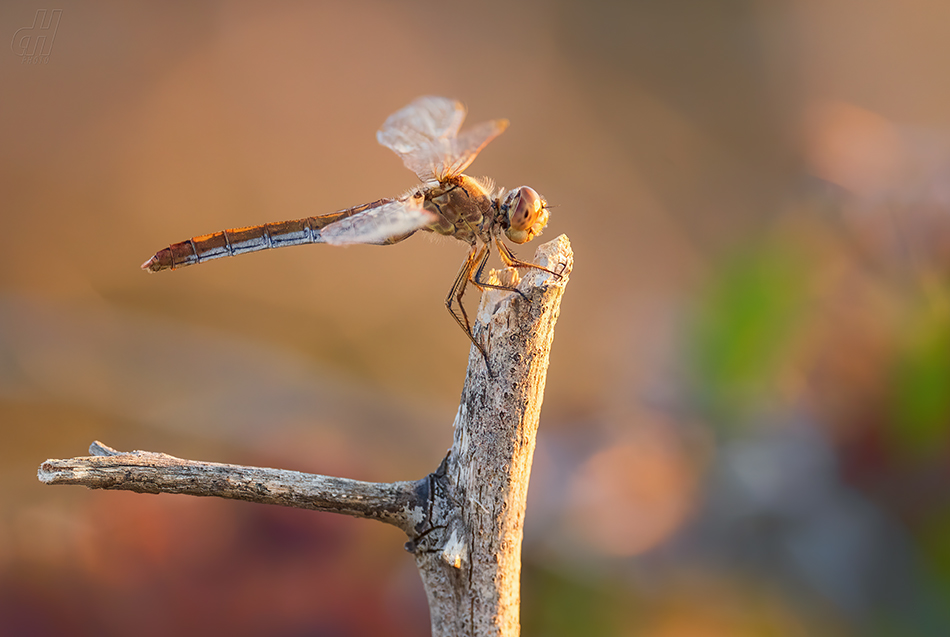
(745, 429)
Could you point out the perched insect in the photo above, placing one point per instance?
(425, 134)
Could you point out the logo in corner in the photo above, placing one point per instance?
(34, 44)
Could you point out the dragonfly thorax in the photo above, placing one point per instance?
(462, 205)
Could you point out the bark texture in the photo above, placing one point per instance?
(465, 520)
(398, 503)
(471, 562)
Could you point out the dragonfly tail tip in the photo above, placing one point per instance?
(152, 265)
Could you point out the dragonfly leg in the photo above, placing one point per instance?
(482, 284)
(475, 260)
(514, 262)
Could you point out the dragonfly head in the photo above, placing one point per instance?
(526, 214)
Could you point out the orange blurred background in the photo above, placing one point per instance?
(745, 429)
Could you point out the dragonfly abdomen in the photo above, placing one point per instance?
(229, 243)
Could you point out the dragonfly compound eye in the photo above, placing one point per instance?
(527, 215)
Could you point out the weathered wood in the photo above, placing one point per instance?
(464, 521)
(401, 504)
(471, 562)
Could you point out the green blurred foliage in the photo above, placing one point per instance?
(920, 406)
(934, 538)
(556, 604)
(741, 333)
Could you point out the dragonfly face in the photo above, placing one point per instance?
(425, 134)
(526, 214)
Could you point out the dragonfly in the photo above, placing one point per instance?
(425, 135)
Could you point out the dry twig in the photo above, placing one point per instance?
(465, 520)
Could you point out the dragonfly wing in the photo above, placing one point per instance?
(465, 148)
(425, 136)
(380, 224)
(424, 120)
(420, 133)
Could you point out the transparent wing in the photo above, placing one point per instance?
(465, 148)
(385, 223)
(415, 126)
(425, 136)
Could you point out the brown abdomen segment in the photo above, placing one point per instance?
(229, 243)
